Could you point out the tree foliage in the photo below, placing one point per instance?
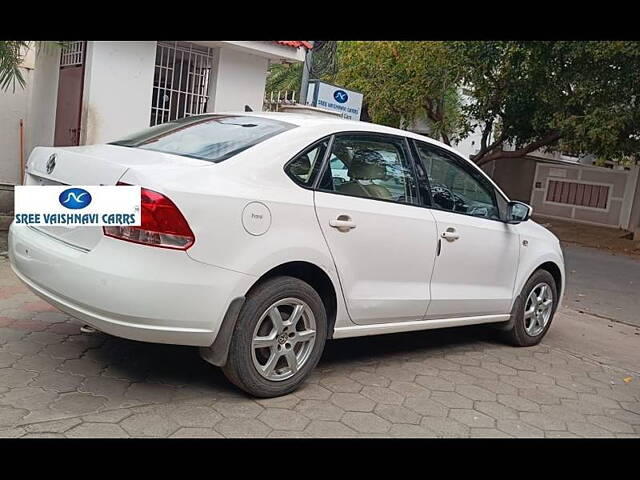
(11, 56)
(287, 76)
(403, 81)
(575, 96)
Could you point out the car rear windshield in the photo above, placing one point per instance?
(206, 137)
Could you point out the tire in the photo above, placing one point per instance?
(286, 295)
(522, 333)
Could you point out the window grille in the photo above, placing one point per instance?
(579, 194)
(180, 82)
(72, 54)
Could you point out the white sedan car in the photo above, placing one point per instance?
(265, 234)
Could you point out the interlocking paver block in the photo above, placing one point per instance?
(324, 428)
(242, 427)
(445, 427)
(10, 416)
(471, 418)
(11, 377)
(365, 422)
(518, 428)
(148, 425)
(193, 432)
(319, 410)
(370, 379)
(340, 383)
(78, 403)
(397, 414)
(55, 426)
(353, 402)
(475, 392)
(238, 408)
(195, 416)
(382, 395)
(311, 391)
(452, 400)
(97, 430)
(283, 419)
(426, 406)
(435, 383)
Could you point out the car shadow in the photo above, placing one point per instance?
(182, 367)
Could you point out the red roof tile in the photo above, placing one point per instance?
(295, 43)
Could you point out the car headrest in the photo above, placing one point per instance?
(367, 165)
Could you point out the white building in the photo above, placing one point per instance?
(96, 91)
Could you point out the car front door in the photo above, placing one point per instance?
(382, 241)
(477, 262)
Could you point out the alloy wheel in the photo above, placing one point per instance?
(283, 339)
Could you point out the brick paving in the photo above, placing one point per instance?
(58, 382)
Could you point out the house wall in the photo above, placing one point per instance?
(513, 176)
(118, 85)
(13, 107)
(44, 100)
(622, 186)
(237, 79)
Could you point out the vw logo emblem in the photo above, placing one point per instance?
(51, 163)
(340, 96)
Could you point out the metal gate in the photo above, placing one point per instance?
(180, 82)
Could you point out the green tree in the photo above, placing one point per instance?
(287, 76)
(11, 56)
(574, 96)
(403, 81)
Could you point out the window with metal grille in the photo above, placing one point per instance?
(579, 194)
(180, 82)
(72, 54)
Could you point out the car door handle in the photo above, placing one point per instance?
(343, 223)
(450, 234)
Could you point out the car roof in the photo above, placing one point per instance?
(306, 120)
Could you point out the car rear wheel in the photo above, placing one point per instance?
(535, 312)
(278, 339)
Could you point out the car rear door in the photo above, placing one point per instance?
(382, 240)
(477, 263)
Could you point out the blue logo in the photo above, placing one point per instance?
(340, 96)
(75, 198)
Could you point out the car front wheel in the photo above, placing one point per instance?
(533, 317)
(278, 339)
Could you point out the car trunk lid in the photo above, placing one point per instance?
(92, 165)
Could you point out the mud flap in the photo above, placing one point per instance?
(218, 352)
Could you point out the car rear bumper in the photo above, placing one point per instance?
(127, 290)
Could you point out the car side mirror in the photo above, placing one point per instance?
(518, 212)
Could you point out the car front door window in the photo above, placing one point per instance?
(455, 188)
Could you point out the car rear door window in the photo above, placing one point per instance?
(370, 166)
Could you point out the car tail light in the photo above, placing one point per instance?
(162, 224)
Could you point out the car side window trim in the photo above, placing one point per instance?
(459, 161)
(384, 137)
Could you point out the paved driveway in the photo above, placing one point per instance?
(55, 381)
(602, 283)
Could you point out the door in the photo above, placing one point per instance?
(382, 241)
(70, 85)
(476, 267)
